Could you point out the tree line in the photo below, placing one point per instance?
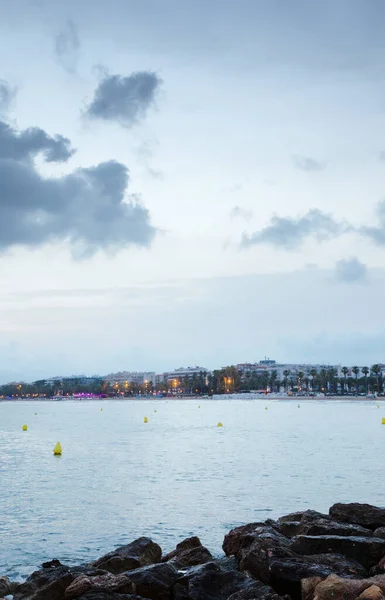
(221, 381)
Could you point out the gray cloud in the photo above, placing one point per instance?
(67, 46)
(350, 270)
(305, 163)
(125, 100)
(240, 212)
(7, 95)
(291, 232)
(376, 233)
(88, 207)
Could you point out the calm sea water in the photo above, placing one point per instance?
(178, 475)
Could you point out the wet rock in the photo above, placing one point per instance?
(50, 583)
(211, 582)
(314, 523)
(359, 514)
(379, 532)
(338, 588)
(365, 550)
(51, 563)
(5, 586)
(188, 553)
(154, 581)
(107, 582)
(108, 595)
(379, 568)
(138, 553)
(371, 593)
(304, 515)
(234, 539)
(259, 549)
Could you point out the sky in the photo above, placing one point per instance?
(190, 183)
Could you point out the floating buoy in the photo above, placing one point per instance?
(299, 406)
(199, 405)
(383, 421)
(219, 424)
(145, 420)
(101, 409)
(265, 407)
(57, 450)
(25, 428)
(35, 414)
(378, 406)
(154, 410)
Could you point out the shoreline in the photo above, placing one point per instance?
(202, 398)
(294, 557)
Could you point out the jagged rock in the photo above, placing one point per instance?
(51, 563)
(365, 550)
(188, 553)
(210, 582)
(50, 583)
(139, 553)
(5, 586)
(379, 532)
(154, 581)
(359, 514)
(303, 515)
(234, 539)
(108, 595)
(339, 588)
(259, 549)
(314, 523)
(107, 582)
(379, 568)
(372, 593)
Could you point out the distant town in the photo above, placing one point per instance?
(266, 376)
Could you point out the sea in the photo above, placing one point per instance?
(177, 475)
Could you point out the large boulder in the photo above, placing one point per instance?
(379, 532)
(365, 550)
(51, 582)
(106, 583)
(139, 553)
(188, 553)
(311, 522)
(5, 586)
(338, 588)
(365, 515)
(234, 539)
(155, 581)
(211, 582)
(259, 549)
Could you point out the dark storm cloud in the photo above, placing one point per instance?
(7, 95)
(305, 163)
(67, 46)
(350, 270)
(291, 232)
(125, 100)
(87, 207)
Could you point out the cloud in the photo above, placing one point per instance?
(67, 46)
(291, 232)
(240, 212)
(125, 100)
(376, 233)
(87, 208)
(382, 156)
(7, 95)
(305, 163)
(350, 270)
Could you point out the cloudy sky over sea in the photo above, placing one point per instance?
(190, 182)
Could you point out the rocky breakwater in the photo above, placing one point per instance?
(302, 556)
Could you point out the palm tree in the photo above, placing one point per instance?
(273, 380)
(286, 374)
(356, 371)
(376, 370)
(313, 374)
(365, 371)
(300, 376)
(345, 372)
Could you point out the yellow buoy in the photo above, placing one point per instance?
(265, 407)
(154, 410)
(57, 450)
(299, 406)
(383, 421)
(219, 424)
(101, 409)
(199, 405)
(378, 406)
(145, 420)
(25, 428)
(35, 414)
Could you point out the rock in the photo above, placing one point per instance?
(314, 523)
(359, 514)
(304, 515)
(138, 553)
(188, 553)
(5, 586)
(379, 532)
(365, 550)
(51, 563)
(50, 583)
(286, 574)
(234, 539)
(210, 582)
(154, 581)
(371, 593)
(108, 595)
(379, 568)
(259, 549)
(107, 582)
(338, 588)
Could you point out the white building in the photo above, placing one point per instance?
(183, 372)
(267, 366)
(137, 377)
